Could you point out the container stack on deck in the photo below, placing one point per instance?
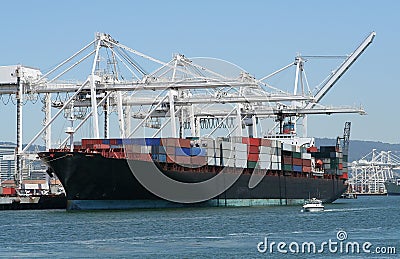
(238, 152)
(332, 158)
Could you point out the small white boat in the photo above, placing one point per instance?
(313, 205)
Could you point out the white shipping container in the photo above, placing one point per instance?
(264, 165)
(276, 159)
(241, 163)
(210, 152)
(228, 154)
(236, 139)
(241, 155)
(306, 155)
(229, 162)
(297, 149)
(145, 149)
(227, 145)
(265, 158)
(211, 161)
(287, 147)
(276, 166)
(241, 147)
(265, 150)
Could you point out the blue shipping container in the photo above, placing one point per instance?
(196, 151)
(139, 141)
(153, 141)
(184, 151)
(297, 168)
(106, 141)
(162, 158)
(158, 150)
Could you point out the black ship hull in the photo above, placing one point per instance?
(94, 182)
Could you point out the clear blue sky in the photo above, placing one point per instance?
(260, 36)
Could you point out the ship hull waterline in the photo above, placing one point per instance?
(94, 182)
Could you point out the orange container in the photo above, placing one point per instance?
(252, 157)
(307, 162)
(252, 150)
(9, 191)
(297, 161)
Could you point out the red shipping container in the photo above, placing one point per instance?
(265, 142)
(287, 160)
(297, 161)
(184, 142)
(170, 151)
(253, 150)
(307, 169)
(198, 160)
(251, 141)
(185, 160)
(252, 157)
(312, 149)
(307, 162)
(9, 191)
(340, 166)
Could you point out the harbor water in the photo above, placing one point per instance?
(370, 222)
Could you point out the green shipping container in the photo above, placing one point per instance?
(296, 155)
(251, 164)
(287, 167)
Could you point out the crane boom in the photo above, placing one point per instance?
(342, 69)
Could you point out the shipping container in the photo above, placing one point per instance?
(306, 169)
(305, 155)
(227, 145)
(241, 155)
(297, 161)
(9, 191)
(265, 164)
(196, 151)
(288, 160)
(198, 160)
(241, 163)
(182, 151)
(182, 160)
(253, 149)
(251, 141)
(306, 162)
(296, 154)
(153, 141)
(297, 168)
(276, 166)
(287, 167)
(252, 157)
(327, 149)
(286, 147)
(251, 164)
(266, 142)
(240, 147)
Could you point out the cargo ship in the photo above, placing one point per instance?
(109, 173)
(393, 187)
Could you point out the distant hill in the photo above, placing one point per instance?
(31, 148)
(359, 148)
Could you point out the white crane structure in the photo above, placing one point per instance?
(369, 174)
(184, 94)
